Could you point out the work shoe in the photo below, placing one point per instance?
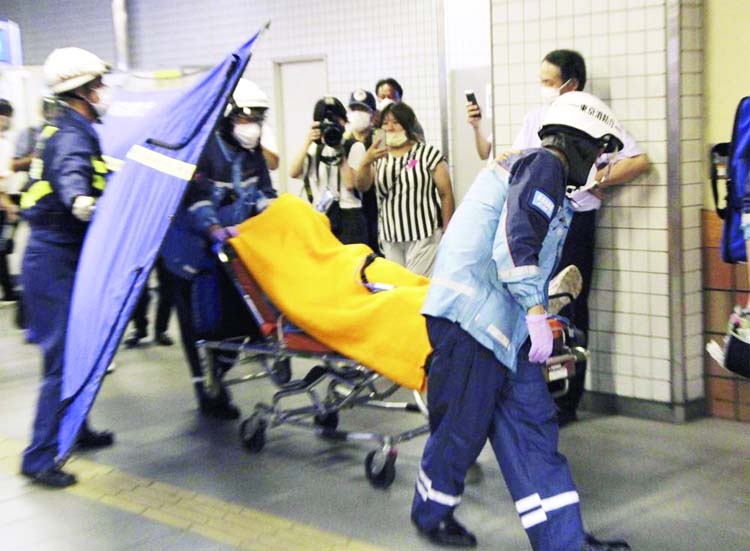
(134, 339)
(163, 339)
(450, 533)
(219, 408)
(593, 544)
(91, 439)
(54, 478)
(564, 288)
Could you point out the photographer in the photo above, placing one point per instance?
(327, 182)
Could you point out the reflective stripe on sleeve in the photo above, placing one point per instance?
(37, 190)
(199, 204)
(518, 272)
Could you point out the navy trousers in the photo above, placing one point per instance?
(47, 273)
(471, 398)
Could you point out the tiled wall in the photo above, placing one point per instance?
(634, 359)
(361, 41)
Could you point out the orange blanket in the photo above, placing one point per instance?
(314, 280)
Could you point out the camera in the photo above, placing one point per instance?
(331, 132)
(328, 111)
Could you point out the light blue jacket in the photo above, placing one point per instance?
(501, 246)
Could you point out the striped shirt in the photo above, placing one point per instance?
(407, 196)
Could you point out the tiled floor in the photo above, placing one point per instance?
(176, 481)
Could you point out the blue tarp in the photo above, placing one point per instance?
(131, 220)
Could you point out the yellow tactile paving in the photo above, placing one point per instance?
(225, 522)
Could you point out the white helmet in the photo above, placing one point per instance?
(585, 113)
(247, 94)
(66, 69)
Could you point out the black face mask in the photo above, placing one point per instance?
(579, 151)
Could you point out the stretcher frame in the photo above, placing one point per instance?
(335, 383)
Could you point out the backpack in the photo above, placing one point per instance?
(735, 155)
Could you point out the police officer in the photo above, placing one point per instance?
(66, 178)
(230, 185)
(487, 323)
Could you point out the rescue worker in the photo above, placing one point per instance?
(231, 183)
(486, 321)
(66, 178)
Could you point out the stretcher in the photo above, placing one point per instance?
(334, 383)
(309, 301)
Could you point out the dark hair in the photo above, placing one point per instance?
(6, 108)
(393, 84)
(405, 117)
(571, 65)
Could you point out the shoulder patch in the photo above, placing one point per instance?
(543, 203)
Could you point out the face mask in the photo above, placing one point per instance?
(550, 93)
(105, 100)
(383, 103)
(395, 139)
(247, 134)
(4, 123)
(359, 121)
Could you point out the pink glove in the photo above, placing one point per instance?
(541, 337)
(232, 231)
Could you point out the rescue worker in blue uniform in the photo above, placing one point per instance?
(66, 177)
(230, 185)
(486, 319)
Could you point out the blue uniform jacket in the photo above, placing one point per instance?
(501, 246)
(228, 187)
(70, 164)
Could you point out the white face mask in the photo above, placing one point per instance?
(550, 93)
(105, 100)
(383, 103)
(395, 139)
(359, 121)
(247, 134)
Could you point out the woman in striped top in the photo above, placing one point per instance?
(413, 186)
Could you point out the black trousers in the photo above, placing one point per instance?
(164, 306)
(234, 320)
(578, 250)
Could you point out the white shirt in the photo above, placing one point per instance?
(328, 176)
(6, 156)
(529, 137)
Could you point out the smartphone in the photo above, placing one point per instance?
(379, 135)
(471, 97)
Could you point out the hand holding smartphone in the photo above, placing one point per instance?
(379, 138)
(473, 109)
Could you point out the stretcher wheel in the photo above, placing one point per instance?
(281, 373)
(328, 420)
(253, 433)
(380, 468)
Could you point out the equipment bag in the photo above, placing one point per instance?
(736, 155)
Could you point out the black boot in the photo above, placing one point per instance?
(220, 407)
(593, 544)
(135, 338)
(450, 533)
(89, 439)
(54, 478)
